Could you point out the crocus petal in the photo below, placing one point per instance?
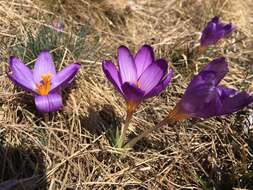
(215, 19)
(43, 65)
(49, 103)
(212, 73)
(225, 92)
(66, 75)
(213, 38)
(202, 102)
(214, 31)
(112, 74)
(161, 86)
(207, 33)
(22, 84)
(153, 75)
(209, 101)
(127, 67)
(209, 109)
(143, 59)
(21, 74)
(202, 94)
(219, 66)
(132, 93)
(228, 29)
(233, 100)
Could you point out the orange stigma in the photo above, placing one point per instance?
(43, 87)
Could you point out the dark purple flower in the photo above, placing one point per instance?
(205, 98)
(43, 81)
(214, 31)
(140, 76)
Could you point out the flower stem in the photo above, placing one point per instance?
(172, 117)
(124, 129)
(132, 142)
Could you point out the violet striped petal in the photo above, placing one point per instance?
(112, 74)
(43, 65)
(161, 86)
(132, 93)
(21, 74)
(65, 76)
(49, 103)
(127, 66)
(22, 84)
(143, 58)
(152, 75)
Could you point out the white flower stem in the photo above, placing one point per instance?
(124, 129)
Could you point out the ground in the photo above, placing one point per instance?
(73, 149)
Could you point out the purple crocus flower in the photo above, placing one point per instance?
(43, 81)
(214, 31)
(205, 98)
(140, 76)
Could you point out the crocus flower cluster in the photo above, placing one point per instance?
(139, 77)
(205, 98)
(43, 81)
(214, 31)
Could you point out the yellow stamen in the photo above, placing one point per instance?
(138, 84)
(43, 87)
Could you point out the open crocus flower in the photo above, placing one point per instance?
(205, 98)
(214, 31)
(43, 81)
(140, 76)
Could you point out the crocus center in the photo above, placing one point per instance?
(43, 87)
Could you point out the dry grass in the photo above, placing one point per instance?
(72, 151)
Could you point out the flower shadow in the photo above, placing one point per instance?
(147, 143)
(161, 140)
(102, 121)
(21, 169)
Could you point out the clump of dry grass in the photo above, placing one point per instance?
(73, 151)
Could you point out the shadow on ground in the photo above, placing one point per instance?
(21, 169)
(104, 120)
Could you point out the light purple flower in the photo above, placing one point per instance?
(58, 24)
(43, 81)
(214, 31)
(138, 77)
(205, 98)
